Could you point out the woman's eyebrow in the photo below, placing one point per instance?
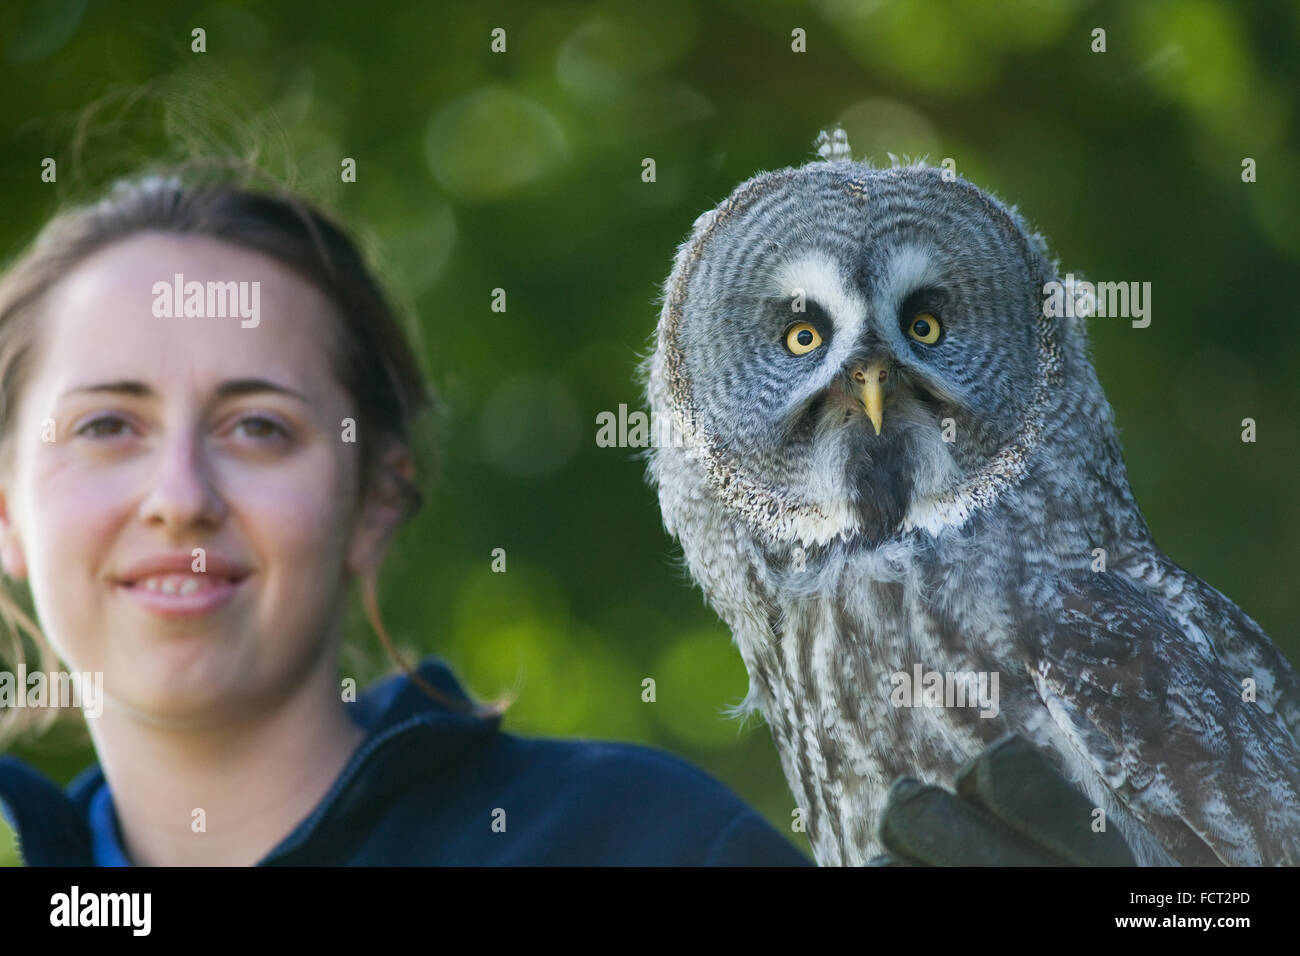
(120, 388)
(246, 386)
(227, 389)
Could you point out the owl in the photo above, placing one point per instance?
(893, 473)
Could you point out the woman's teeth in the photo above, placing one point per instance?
(178, 583)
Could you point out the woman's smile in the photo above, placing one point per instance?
(182, 585)
(181, 595)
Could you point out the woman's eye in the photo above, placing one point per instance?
(924, 328)
(106, 426)
(801, 338)
(258, 427)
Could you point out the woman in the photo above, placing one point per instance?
(205, 436)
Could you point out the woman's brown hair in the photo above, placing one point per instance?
(372, 357)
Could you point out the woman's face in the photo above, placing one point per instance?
(175, 434)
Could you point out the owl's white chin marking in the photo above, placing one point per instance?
(838, 521)
(931, 515)
(934, 515)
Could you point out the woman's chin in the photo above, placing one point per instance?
(190, 688)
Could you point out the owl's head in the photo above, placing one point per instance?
(849, 351)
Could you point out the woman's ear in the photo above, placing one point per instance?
(385, 508)
(12, 557)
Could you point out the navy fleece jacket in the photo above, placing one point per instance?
(424, 788)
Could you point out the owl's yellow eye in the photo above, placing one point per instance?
(802, 338)
(924, 328)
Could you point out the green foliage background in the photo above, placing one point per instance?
(522, 171)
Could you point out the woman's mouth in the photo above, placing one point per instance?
(181, 594)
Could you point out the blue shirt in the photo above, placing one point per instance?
(425, 787)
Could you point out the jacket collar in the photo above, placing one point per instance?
(408, 736)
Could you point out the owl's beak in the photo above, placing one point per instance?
(870, 379)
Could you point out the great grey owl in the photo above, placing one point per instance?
(886, 461)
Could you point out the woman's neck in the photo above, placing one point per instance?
(253, 779)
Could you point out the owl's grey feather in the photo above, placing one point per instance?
(840, 557)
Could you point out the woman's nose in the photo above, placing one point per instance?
(181, 491)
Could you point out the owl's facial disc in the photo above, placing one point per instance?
(790, 302)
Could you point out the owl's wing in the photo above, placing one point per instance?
(1243, 646)
(1162, 721)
